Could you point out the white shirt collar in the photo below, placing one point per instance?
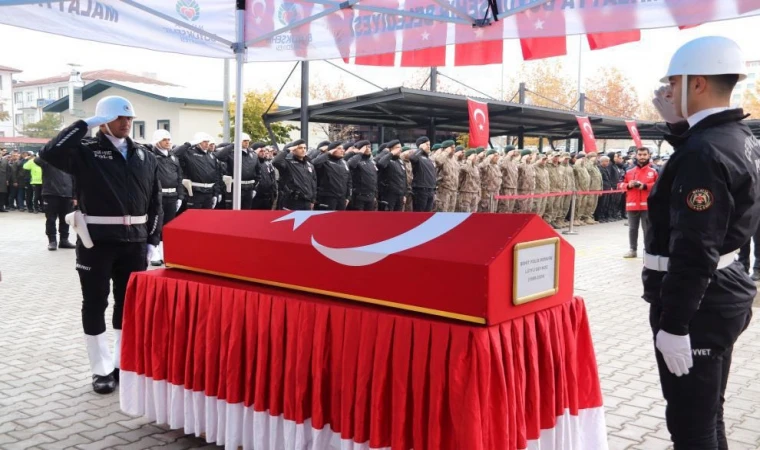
(701, 115)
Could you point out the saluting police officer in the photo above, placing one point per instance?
(364, 177)
(266, 190)
(333, 179)
(249, 172)
(170, 176)
(392, 177)
(704, 207)
(298, 179)
(119, 195)
(425, 176)
(201, 172)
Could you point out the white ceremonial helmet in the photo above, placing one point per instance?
(200, 137)
(245, 137)
(710, 55)
(160, 135)
(114, 106)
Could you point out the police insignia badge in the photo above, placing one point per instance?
(699, 200)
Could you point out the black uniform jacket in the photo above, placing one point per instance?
(392, 174)
(333, 177)
(109, 185)
(363, 174)
(249, 168)
(706, 203)
(267, 178)
(298, 178)
(55, 181)
(169, 173)
(199, 167)
(423, 170)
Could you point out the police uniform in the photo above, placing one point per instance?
(423, 184)
(392, 179)
(298, 179)
(704, 206)
(120, 198)
(364, 180)
(172, 191)
(266, 190)
(249, 174)
(202, 169)
(333, 180)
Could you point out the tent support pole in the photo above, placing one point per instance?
(305, 101)
(239, 100)
(226, 107)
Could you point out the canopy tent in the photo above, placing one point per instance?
(361, 31)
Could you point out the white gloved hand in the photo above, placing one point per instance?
(663, 102)
(179, 204)
(213, 202)
(219, 198)
(150, 252)
(97, 121)
(676, 351)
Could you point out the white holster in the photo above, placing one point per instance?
(227, 182)
(77, 223)
(189, 186)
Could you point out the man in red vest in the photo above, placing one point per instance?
(638, 182)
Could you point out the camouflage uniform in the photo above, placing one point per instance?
(469, 187)
(595, 185)
(490, 179)
(508, 182)
(448, 181)
(409, 177)
(582, 183)
(567, 201)
(542, 185)
(556, 182)
(526, 184)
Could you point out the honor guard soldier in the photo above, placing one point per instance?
(333, 179)
(704, 206)
(392, 175)
(119, 222)
(170, 176)
(266, 190)
(298, 179)
(364, 175)
(423, 184)
(249, 172)
(201, 172)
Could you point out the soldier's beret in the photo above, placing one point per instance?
(296, 143)
(334, 145)
(257, 145)
(509, 148)
(405, 148)
(348, 144)
(470, 152)
(422, 140)
(393, 143)
(580, 155)
(435, 147)
(491, 152)
(447, 144)
(361, 144)
(525, 152)
(480, 150)
(382, 147)
(459, 148)
(323, 144)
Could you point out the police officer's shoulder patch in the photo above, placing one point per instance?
(699, 200)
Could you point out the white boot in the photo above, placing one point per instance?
(117, 349)
(101, 362)
(158, 255)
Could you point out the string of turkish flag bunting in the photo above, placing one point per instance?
(485, 45)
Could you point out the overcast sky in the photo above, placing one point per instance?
(40, 55)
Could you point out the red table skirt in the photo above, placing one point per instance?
(266, 368)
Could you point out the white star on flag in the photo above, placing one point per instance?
(539, 24)
(258, 20)
(425, 35)
(481, 127)
(479, 33)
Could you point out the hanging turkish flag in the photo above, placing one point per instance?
(542, 20)
(634, 130)
(589, 141)
(483, 45)
(479, 126)
(341, 27)
(259, 21)
(376, 37)
(598, 41)
(689, 14)
(430, 34)
(624, 18)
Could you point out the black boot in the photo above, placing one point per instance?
(103, 384)
(115, 374)
(65, 243)
(52, 246)
(755, 275)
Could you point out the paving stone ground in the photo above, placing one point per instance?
(46, 401)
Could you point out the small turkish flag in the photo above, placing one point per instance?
(479, 132)
(589, 141)
(634, 130)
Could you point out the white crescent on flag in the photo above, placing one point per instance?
(589, 130)
(482, 114)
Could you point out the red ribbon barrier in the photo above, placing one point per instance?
(555, 194)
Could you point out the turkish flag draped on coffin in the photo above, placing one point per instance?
(589, 141)
(479, 132)
(634, 130)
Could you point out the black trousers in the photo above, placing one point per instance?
(262, 201)
(200, 200)
(634, 219)
(745, 250)
(34, 197)
(392, 202)
(12, 194)
(56, 208)
(169, 206)
(326, 203)
(246, 200)
(363, 202)
(97, 267)
(694, 411)
(3, 200)
(296, 204)
(600, 213)
(423, 199)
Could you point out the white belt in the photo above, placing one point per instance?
(203, 185)
(660, 263)
(247, 182)
(116, 220)
(169, 190)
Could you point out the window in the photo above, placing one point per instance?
(138, 130)
(30, 97)
(18, 97)
(30, 118)
(19, 119)
(2, 133)
(51, 94)
(163, 125)
(63, 92)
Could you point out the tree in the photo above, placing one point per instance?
(256, 103)
(48, 127)
(4, 115)
(751, 102)
(648, 112)
(611, 93)
(546, 85)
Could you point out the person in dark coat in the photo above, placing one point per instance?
(5, 180)
(58, 199)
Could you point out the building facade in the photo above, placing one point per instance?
(6, 101)
(748, 86)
